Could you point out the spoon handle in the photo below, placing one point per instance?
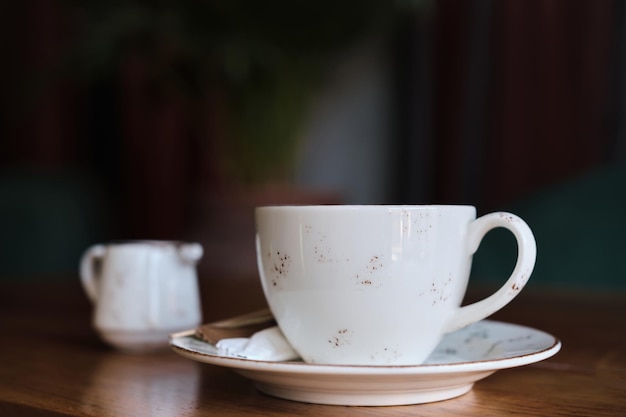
(244, 325)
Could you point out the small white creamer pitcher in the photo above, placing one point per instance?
(142, 291)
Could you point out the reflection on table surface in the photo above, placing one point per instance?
(54, 364)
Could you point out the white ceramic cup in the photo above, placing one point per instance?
(377, 285)
(142, 291)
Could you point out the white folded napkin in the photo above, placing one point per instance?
(265, 345)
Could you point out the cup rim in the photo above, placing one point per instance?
(347, 207)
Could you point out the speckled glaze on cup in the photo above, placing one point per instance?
(377, 285)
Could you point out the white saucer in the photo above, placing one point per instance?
(462, 358)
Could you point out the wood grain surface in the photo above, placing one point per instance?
(53, 364)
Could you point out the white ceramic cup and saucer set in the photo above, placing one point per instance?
(142, 291)
(370, 298)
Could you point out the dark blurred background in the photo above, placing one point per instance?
(173, 119)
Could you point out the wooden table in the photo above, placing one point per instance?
(52, 363)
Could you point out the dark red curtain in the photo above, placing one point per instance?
(515, 95)
(542, 84)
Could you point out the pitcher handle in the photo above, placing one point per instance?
(526, 256)
(87, 275)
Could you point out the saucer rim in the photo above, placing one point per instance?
(421, 369)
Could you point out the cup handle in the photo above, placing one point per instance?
(526, 255)
(87, 275)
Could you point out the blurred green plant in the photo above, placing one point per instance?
(265, 58)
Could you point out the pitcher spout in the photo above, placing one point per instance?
(190, 252)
